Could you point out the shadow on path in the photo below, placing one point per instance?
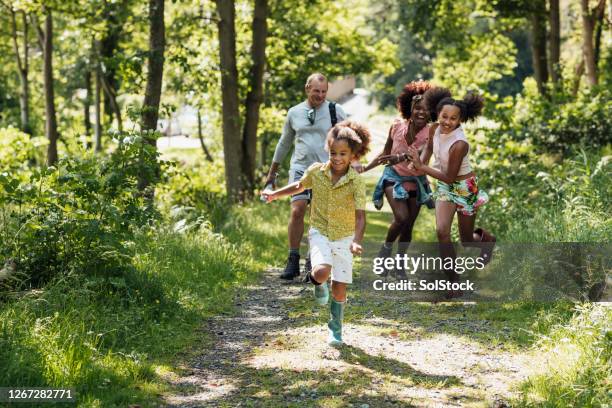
(270, 354)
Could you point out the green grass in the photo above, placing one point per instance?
(115, 339)
(112, 339)
(576, 363)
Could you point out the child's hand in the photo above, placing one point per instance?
(356, 248)
(416, 158)
(393, 159)
(384, 160)
(268, 195)
(358, 167)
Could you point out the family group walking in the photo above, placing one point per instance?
(324, 172)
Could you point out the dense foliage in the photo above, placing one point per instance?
(79, 216)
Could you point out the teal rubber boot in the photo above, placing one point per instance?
(335, 324)
(321, 293)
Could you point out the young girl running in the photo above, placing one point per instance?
(405, 188)
(337, 217)
(457, 183)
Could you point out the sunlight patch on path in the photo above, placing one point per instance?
(273, 352)
(441, 369)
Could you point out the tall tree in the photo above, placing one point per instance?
(155, 65)
(232, 143)
(554, 41)
(155, 71)
(114, 14)
(538, 44)
(589, 19)
(255, 95)
(23, 67)
(599, 25)
(45, 38)
(97, 111)
(87, 106)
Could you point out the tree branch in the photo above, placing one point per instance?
(39, 32)
(14, 36)
(25, 40)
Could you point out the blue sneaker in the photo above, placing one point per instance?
(321, 293)
(335, 324)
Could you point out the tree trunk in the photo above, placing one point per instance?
(155, 66)
(538, 46)
(23, 67)
(113, 13)
(97, 113)
(255, 95)
(109, 94)
(554, 42)
(599, 23)
(578, 75)
(264, 148)
(46, 39)
(155, 72)
(87, 107)
(232, 143)
(588, 27)
(201, 137)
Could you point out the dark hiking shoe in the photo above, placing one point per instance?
(486, 242)
(292, 269)
(453, 294)
(384, 253)
(400, 274)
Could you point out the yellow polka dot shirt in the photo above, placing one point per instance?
(332, 210)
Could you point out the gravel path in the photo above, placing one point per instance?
(272, 352)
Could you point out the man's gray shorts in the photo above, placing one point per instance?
(296, 175)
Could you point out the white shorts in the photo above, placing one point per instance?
(335, 253)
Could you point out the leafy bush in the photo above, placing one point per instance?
(195, 195)
(78, 216)
(18, 150)
(537, 199)
(560, 122)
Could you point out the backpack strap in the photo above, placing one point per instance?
(332, 113)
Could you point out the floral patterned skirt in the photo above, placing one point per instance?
(464, 193)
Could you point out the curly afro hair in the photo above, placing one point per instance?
(432, 97)
(356, 135)
(411, 89)
(470, 106)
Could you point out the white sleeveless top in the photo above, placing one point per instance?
(441, 147)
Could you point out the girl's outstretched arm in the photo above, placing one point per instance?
(290, 189)
(426, 152)
(457, 151)
(360, 221)
(385, 152)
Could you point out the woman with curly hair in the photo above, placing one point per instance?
(406, 189)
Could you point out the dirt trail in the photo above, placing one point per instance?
(272, 352)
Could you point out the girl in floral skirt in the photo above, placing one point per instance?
(458, 189)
